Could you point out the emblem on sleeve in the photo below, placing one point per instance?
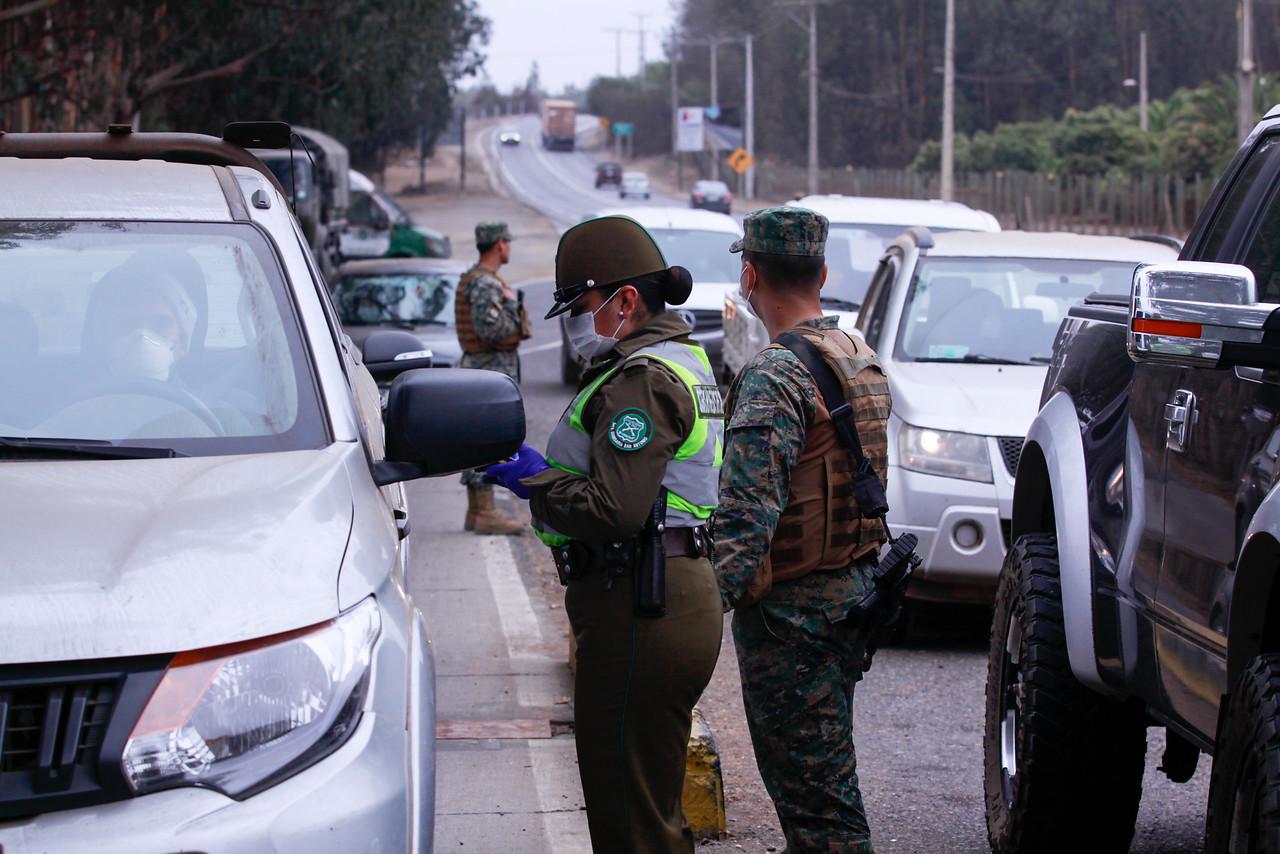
(630, 430)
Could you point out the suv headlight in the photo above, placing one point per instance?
(242, 717)
(940, 452)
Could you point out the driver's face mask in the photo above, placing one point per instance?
(142, 354)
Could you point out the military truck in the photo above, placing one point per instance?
(1141, 588)
(332, 165)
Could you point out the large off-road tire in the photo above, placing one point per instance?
(1062, 764)
(1244, 789)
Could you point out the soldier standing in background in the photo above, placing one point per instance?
(792, 552)
(491, 323)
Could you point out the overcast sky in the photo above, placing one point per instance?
(568, 38)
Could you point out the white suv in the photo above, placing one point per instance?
(207, 643)
(861, 228)
(964, 325)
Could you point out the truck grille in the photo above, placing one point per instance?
(1011, 450)
(62, 731)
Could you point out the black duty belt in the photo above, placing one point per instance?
(580, 558)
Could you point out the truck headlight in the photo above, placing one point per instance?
(242, 717)
(947, 454)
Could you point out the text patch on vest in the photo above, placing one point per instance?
(710, 403)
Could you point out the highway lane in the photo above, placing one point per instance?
(558, 184)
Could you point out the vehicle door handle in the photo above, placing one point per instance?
(1182, 416)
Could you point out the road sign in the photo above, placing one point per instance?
(624, 129)
(712, 112)
(689, 135)
(740, 161)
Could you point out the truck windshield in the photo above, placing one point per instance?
(412, 299)
(997, 309)
(705, 254)
(170, 335)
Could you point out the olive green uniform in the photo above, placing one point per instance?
(637, 678)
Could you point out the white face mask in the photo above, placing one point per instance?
(583, 338)
(142, 355)
(750, 309)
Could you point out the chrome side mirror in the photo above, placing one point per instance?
(1199, 315)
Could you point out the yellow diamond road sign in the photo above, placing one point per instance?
(740, 161)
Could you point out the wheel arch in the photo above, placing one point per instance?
(1053, 497)
(1253, 618)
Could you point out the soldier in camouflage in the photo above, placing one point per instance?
(792, 552)
(491, 323)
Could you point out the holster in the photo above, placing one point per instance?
(651, 571)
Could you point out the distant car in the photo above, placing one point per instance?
(711, 196)
(509, 136)
(861, 229)
(964, 323)
(608, 173)
(413, 294)
(377, 227)
(634, 184)
(698, 241)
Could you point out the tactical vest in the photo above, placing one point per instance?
(821, 528)
(464, 318)
(692, 478)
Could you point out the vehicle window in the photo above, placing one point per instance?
(996, 309)
(1262, 251)
(411, 299)
(299, 182)
(881, 288)
(853, 252)
(705, 254)
(161, 334)
(1258, 167)
(360, 210)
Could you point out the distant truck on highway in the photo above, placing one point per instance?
(559, 124)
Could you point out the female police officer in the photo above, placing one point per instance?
(641, 440)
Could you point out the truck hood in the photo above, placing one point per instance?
(107, 558)
(989, 400)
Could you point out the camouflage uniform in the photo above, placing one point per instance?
(798, 658)
(489, 314)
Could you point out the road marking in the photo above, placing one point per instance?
(515, 611)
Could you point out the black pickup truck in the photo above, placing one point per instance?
(1140, 589)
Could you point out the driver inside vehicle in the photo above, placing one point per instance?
(149, 323)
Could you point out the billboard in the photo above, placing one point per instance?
(689, 129)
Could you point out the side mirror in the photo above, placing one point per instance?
(439, 422)
(1201, 315)
(387, 353)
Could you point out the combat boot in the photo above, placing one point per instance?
(483, 516)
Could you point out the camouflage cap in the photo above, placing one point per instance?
(492, 232)
(783, 231)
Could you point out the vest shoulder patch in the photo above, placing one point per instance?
(710, 403)
(630, 430)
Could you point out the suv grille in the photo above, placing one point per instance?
(62, 731)
(1011, 450)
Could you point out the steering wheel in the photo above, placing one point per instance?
(165, 391)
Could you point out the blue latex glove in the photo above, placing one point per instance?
(526, 462)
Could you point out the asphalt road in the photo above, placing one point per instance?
(918, 713)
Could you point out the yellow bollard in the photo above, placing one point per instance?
(703, 783)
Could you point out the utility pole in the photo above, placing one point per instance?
(750, 120)
(1144, 100)
(640, 16)
(674, 59)
(715, 89)
(1246, 71)
(813, 98)
(948, 177)
(617, 42)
